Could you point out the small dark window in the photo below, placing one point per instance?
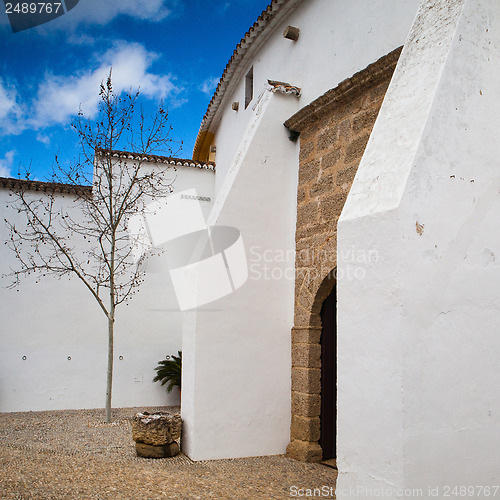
(249, 87)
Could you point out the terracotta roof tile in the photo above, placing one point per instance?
(53, 187)
(166, 160)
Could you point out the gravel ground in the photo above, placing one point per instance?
(73, 454)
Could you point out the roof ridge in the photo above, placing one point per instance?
(170, 160)
(56, 187)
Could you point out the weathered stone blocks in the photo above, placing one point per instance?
(306, 148)
(306, 428)
(306, 380)
(306, 405)
(306, 334)
(301, 196)
(364, 120)
(333, 138)
(304, 451)
(306, 355)
(356, 149)
(345, 126)
(308, 213)
(309, 171)
(164, 451)
(378, 92)
(310, 231)
(346, 176)
(155, 434)
(331, 207)
(327, 137)
(324, 185)
(156, 429)
(330, 159)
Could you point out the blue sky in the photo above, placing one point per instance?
(175, 50)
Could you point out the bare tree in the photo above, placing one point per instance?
(90, 239)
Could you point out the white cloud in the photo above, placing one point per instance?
(101, 12)
(59, 97)
(209, 85)
(81, 39)
(88, 12)
(10, 109)
(6, 164)
(7, 101)
(97, 11)
(224, 7)
(44, 139)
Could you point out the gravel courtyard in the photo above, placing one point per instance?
(72, 454)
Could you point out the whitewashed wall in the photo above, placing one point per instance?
(418, 336)
(54, 319)
(237, 360)
(236, 351)
(337, 39)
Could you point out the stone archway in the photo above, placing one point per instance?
(334, 131)
(306, 379)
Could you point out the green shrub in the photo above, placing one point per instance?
(169, 370)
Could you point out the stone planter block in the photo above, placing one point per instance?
(149, 451)
(156, 429)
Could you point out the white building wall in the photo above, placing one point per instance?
(418, 331)
(54, 319)
(236, 350)
(236, 372)
(337, 39)
(236, 366)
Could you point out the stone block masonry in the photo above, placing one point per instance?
(334, 131)
(155, 434)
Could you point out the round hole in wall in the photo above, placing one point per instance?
(120, 358)
(69, 358)
(24, 358)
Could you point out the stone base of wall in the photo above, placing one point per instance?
(306, 398)
(304, 451)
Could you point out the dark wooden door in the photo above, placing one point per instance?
(329, 376)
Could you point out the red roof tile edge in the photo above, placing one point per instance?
(53, 187)
(167, 160)
(56, 187)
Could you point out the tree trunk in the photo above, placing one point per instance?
(109, 378)
(111, 312)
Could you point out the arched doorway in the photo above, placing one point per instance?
(334, 130)
(328, 342)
